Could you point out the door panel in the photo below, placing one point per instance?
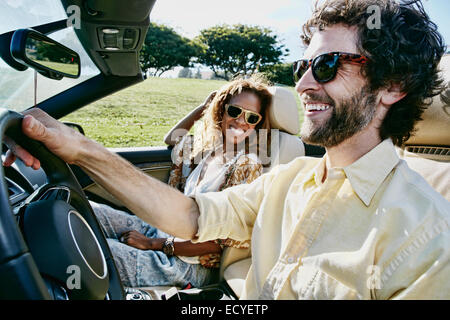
(153, 161)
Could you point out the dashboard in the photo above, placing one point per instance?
(22, 181)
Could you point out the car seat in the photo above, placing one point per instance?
(285, 119)
(428, 150)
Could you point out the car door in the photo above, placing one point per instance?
(153, 161)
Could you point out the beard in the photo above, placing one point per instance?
(349, 117)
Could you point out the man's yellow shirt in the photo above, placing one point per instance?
(372, 230)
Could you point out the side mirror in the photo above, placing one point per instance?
(45, 55)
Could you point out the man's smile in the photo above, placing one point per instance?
(316, 108)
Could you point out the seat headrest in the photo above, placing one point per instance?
(283, 112)
(433, 130)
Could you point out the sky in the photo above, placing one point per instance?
(284, 17)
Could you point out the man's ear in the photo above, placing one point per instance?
(392, 94)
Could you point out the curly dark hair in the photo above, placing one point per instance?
(405, 50)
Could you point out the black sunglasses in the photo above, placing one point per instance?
(324, 67)
(252, 118)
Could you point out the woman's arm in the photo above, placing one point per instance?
(181, 248)
(188, 121)
(189, 249)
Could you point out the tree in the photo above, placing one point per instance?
(280, 73)
(229, 50)
(164, 49)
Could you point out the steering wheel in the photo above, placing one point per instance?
(58, 249)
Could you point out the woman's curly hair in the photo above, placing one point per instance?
(209, 134)
(405, 50)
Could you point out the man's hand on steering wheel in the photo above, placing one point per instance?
(39, 126)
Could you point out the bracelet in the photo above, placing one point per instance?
(168, 247)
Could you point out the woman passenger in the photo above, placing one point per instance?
(223, 154)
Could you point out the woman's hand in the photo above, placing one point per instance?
(185, 124)
(209, 99)
(139, 241)
(201, 108)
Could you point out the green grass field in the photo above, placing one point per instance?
(62, 67)
(142, 114)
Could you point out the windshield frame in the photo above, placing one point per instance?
(18, 83)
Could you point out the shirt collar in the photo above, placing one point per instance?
(368, 172)
(332, 173)
(317, 173)
(365, 174)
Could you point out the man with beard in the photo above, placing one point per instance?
(357, 224)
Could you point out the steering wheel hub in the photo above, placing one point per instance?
(65, 248)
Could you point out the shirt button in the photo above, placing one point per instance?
(290, 260)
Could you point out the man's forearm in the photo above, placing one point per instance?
(153, 201)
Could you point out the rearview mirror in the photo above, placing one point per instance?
(45, 55)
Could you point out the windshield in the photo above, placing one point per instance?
(17, 87)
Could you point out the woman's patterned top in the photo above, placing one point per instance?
(242, 169)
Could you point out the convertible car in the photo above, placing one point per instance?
(61, 55)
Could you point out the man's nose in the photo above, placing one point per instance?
(307, 82)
